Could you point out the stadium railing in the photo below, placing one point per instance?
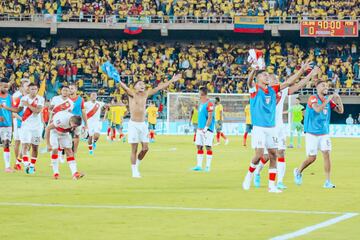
(160, 19)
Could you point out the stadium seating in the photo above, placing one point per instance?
(219, 65)
(204, 8)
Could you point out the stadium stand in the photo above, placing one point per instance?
(221, 66)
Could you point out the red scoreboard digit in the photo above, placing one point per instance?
(329, 28)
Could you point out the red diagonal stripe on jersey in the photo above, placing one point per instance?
(93, 111)
(61, 107)
(28, 112)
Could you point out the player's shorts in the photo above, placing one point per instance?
(281, 135)
(204, 139)
(297, 126)
(62, 140)
(117, 126)
(195, 126)
(248, 128)
(219, 125)
(314, 143)
(94, 127)
(31, 136)
(5, 133)
(152, 126)
(263, 137)
(16, 134)
(138, 132)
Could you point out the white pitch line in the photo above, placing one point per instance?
(315, 227)
(174, 208)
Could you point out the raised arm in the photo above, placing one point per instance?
(292, 79)
(128, 91)
(250, 80)
(162, 86)
(339, 108)
(297, 86)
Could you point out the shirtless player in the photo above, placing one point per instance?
(137, 128)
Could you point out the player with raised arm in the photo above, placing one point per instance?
(205, 131)
(93, 111)
(219, 118)
(296, 125)
(279, 124)
(152, 114)
(78, 110)
(316, 127)
(58, 134)
(31, 127)
(137, 129)
(5, 122)
(263, 99)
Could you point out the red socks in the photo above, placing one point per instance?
(223, 135)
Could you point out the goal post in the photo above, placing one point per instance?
(179, 106)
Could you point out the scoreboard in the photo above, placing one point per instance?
(329, 28)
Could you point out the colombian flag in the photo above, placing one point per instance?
(133, 30)
(249, 24)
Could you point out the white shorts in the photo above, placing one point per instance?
(314, 143)
(138, 132)
(263, 137)
(32, 136)
(17, 133)
(281, 135)
(62, 140)
(204, 139)
(5, 133)
(94, 127)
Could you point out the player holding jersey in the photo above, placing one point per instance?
(31, 126)
(205, 131)
(263, 99)
(93, 111)
(58, 134)
(5, 122)
(279, 124)
(316, 127)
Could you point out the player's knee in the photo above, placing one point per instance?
(208, 148)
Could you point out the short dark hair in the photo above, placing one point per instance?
(76, 119)
(4, 80)
(260, 72)
(64, 86)
(33, 85)
(73, 84)
(204, 90)
(217, 99)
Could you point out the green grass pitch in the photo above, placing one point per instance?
(168, 182)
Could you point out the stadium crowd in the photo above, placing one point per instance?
(179, 8)
(221, 66)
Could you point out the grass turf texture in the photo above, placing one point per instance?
(168, 181)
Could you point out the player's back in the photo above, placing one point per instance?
(218, 110)
(152, 114)
(247, 114)
(118, 112)
(204, 110)
(195, 115)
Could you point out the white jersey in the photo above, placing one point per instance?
(61, 121)
(31, 120)
(280, 107)
(93, 110)
(59, 104)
